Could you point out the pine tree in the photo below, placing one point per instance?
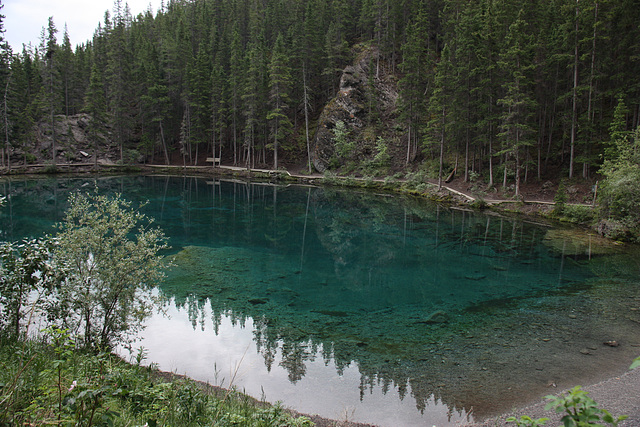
(5, 82)
(118, 77)
(199, 98)
(517, 102)
(96, 107)
(52, 81)
(236, 76)
(439, 106)
(280, 85)
(65, 65)
(251, 103)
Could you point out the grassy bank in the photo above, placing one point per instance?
(49, 382)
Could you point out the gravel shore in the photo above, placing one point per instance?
(619, 395)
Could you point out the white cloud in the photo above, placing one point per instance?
(24, 19)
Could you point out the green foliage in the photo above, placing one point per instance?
(527, 421)
(578, 214)
(560, 199)
(24, 268)
(580, 410)
(343, 145)
(51, 382)
(93, 278)
(107, 258)
(619, 194)
(382, 157)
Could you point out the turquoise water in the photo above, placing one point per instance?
(370, 307)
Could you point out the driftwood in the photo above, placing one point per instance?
(451, 175)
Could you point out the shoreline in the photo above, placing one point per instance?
(620, 395)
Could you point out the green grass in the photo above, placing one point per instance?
(46, 384)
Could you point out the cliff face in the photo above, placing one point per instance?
(74, 144)
(366, 100)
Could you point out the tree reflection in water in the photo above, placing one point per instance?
(441, 304)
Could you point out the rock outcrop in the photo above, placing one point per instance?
(367, 96)
(74, 143)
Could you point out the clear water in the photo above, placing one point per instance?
(369, 307)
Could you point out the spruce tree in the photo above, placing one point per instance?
(517, 102)
(96, 107)
(280, 85)
(5, 82)
(52, 81)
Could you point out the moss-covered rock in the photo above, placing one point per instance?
(367, 95)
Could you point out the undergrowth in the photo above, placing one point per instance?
(50, 382)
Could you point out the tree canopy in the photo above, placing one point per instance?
(528, 88)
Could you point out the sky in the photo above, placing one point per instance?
(24, 19)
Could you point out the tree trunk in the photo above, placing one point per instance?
(306, 114)
(164, 144)
(6, 127)
(575, 96)
(442, 136)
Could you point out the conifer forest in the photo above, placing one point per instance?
(506, 90)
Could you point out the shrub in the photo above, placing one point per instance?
(579, 214)
(580, 409)
(24, 268)
(560, 199)
(344, 147)
(620, 194)
(107, 260)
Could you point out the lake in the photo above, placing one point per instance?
(368, 307)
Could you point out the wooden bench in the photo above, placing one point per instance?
(214, 160)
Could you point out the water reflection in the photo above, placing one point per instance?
(401, 311)
(231, 353)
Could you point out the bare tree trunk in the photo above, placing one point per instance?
(164, 144)
(306, 114)
(6, 126)
(585, 168)
(442, 137)
(575, 98)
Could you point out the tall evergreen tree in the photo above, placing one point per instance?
(5, 81)
(517, 102)
(52, 80)
(118, 77)
(280, 84)
(96, 107)
(439, 107)
(65, 65)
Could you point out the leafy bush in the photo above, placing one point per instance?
(620, 193)
(579, 214)
(619, 197)
(578, 408)
(24, 268)
(93, 278)
(107, 260)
